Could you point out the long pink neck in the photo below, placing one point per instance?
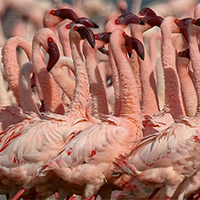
(52, 99)
(173, 98)
(81, 93)
(154, 49)
(115, 80)
(149, 102)
(97, 88)
(195, 59)
(187, 86)
(27, 98)
(130, 106)
(11, 64)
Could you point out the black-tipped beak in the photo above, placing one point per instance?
(153, 20)
(138, 47)
(87, 34)
(53, 54)
(65, 14)
(131, 18)
(87, 22)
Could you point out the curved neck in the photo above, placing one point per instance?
(130, 106)
(173, 98)
(115, 80)
(52, 99)
(195, 59)
(27, 97)
(81, 92)
(97, 88)
(11, 65)
(187, 86)
(149, 102)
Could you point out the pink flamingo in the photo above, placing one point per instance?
(187, 86)
(47, 136)
(89, 154)
(49, 89)
(10, 63)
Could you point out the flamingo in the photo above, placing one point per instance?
(97, 88)
(10, 63)
(187, 86)
(46, 135)
(164, 157)
(89, 154)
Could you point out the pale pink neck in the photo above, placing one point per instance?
(97, 88)
(154, 49)
(130, 106)
(49, 89)
(11, 64)
(81, 93)
(63, 34)
(187, 86)
(149, 102)
(27, 98)
(173, 98)
(115, 80)
(62, 78)
(195, 59)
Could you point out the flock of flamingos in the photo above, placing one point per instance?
(102, 111)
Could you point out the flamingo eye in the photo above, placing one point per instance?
(75, 28)
(52, 12)
(193, 21)
(50, 40)
(179, 54)
(116, 21)
(67, 26)
(124, 34)
(95, 36)
(176, 21)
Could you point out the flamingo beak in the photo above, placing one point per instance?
(87, 34)
(147, 12)
(153, 20)
(138, 47)
(65, 14)
(53, 54)
(87, 22)
(130, 18)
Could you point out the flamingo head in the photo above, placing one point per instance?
(183, 26)
(65, 14)
(104, 37)
(86, 33)
(129, 18)
(85, 21)
(53, 53)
